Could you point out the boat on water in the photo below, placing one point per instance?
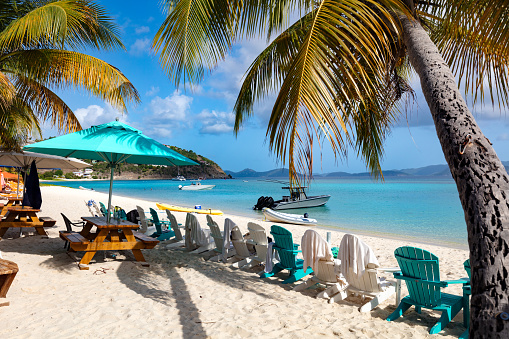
(188, 210)
(179, 178)
(196, 186)
(297, 199)
(86, 189)
(288, 218)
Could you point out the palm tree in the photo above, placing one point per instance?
(340, 74)
(37, 43)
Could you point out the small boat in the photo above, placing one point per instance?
(296, 199)
(196, 186)
(86, 189)
(288, 218)
(188, 210)
(179, 178)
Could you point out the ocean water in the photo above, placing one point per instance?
(418, 210)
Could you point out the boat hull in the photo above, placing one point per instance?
(188, 210)
(287, 218)
(197, 187)
(314, 201)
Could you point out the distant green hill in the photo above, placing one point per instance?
(433, 171)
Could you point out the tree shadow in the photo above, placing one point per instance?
(426, 319)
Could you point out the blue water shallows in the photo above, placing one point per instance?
(420, 210)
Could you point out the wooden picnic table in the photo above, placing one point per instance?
(115, 235)
(11, 202)
(25, 216)
(8, 270)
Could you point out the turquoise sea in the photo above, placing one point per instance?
(420, 210)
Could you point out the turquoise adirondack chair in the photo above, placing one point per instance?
(419, 269)
(103, 209)
(159, 233)
(287, 256)
(467, 291)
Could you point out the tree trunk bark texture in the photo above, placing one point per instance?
(481, 179)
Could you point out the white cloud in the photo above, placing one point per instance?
(142, 29)
(96, 115)
(140, 46)
(216, 122)
(168, 114)
(152, 91)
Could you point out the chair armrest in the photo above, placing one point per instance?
(389, 269)
(295, 246)
(286, 250)
(458, 281)
(400, 276)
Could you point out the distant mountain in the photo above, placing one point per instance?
(433, 171)
(249, 173)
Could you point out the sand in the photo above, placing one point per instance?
(184, 296)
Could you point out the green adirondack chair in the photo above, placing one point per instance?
(159, 233)
(419, 269)
(287, 256)
(467, 291)
(103, 209)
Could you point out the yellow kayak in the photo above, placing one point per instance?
(188, 210)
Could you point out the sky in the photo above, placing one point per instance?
(202, 120)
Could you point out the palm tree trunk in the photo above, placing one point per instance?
(481, 179)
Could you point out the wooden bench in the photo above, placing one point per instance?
(147, 240)
(8, 270)
(77, 242)
(48, 221)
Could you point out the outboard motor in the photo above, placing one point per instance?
(264, 202)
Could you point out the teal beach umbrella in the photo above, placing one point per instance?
(115, 143)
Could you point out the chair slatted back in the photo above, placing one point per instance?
(466, 264)
(155, 221)
(367, 282)
(174, 225)
(421, 265)
(284, 245)
(143, 219)
(239, 243)
(259, 238)
(103, 209)
(325, 271)
(216, 234)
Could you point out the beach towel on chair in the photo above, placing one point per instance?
(355, 253)
(314, 248)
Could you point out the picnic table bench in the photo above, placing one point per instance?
(11, 201)
(8, 270)
(18, 216)
(115, 235)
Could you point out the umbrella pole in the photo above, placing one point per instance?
(108, 214)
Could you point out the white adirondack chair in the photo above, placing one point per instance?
(179, 240)
(258, 238)
(362, 274)
(223, 248)
(318, 255)
(145, 225)
(197, 240)
(242, 255)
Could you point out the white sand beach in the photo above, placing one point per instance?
(184, 296)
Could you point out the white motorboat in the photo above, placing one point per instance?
(179, 178)
(196, 186)
(296, 199)
(288, 218)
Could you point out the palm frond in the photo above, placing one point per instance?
(63, 69)
(46, 105)
(473, 37)
(68, 23)
(332, 82)
(17, 123)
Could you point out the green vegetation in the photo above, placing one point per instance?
(37, 43)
